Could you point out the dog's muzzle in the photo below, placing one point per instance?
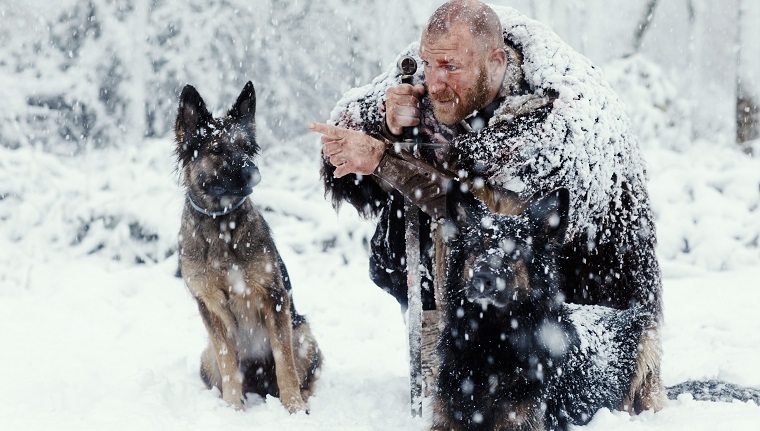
(253, 177)
(236, 182)
(487, 288)
(489, 285)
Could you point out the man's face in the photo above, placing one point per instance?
(456, 74)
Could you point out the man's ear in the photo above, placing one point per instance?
(192, 113)
(497, 61)
(463, 209)
(549, 215)
(244, 108)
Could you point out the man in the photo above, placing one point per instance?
(512, 113)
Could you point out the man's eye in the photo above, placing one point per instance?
(451, 67)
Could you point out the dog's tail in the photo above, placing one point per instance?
(714, 390)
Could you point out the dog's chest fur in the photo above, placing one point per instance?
(228, 262)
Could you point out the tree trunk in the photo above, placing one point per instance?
(747, 82)
(747, 114)
(644, 24)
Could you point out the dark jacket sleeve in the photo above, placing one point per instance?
(420, 182)
(425, 185)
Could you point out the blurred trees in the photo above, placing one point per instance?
(104, 72)
(710, 49)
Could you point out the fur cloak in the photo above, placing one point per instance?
(560, 125)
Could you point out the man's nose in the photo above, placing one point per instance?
(434, 83)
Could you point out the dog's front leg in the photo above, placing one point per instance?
(220, 323)
(280, 329)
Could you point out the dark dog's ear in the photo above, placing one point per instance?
(245, 107)
(463, 209)
(192, 113)
(549, 215)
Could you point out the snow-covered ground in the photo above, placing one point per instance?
(90, 342)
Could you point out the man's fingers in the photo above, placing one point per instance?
(398, 121)
(419, 91)
(342, 166)
(402, 106)
(406, 90)
(350, 151)
(339, 171)
(402, 90)
(332, 138)
(410, 98)
(402, 116)
(328, 129)
(342, 169)
(331, 148)
(328, 139)
(406, 111)
(336, 160)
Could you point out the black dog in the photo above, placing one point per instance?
(513, 355)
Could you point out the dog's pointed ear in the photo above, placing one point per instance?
(245, 106)
(192, 113)
(549, 214)
(463, 209)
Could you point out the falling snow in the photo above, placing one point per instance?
(102, 332)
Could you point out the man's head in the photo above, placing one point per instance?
(462, 50)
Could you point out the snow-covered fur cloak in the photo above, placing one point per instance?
(580, 141)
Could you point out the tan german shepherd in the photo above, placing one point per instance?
(258, 343)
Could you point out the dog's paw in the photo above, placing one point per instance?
(234, 399)
(294, 404)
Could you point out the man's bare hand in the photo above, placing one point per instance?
(350, 151)
(402, 106)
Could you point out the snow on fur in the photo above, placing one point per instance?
(585, 144)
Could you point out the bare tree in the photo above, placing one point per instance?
(644, 24)
(747, 109)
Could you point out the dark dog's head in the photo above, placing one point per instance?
(506, 261)
(217, 155)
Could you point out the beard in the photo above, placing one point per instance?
(456, 108)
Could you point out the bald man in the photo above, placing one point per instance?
(484, 123)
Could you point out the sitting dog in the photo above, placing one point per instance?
(257, 341)
(513, 355)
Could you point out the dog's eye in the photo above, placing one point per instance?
(216, 149)
(247, 146)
